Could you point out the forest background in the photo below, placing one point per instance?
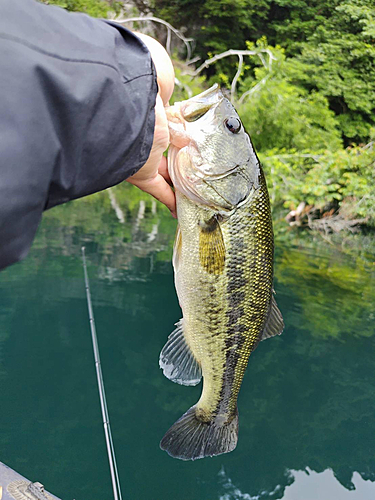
(304, 75)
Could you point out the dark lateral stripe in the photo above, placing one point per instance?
(243, 333)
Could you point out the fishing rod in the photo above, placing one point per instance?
(103, 401)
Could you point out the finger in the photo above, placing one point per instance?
(163, 170)
(159, 189)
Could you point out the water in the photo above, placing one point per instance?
(306, 406)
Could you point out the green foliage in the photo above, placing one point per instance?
(215, 25)
(339, 60)
(325, 178)
(316, 97)
(330, 46)
(298, 140)
(281, 115)
(94, 8)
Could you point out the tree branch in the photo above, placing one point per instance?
(233, 52)
(170, 28)
(239, 53)
(236, 77)
(259, 52)
(253, 89)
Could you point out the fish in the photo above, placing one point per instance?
(223, 269)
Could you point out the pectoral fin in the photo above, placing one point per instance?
(211, 246)
(274, 323)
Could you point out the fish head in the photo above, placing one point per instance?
(211, 159)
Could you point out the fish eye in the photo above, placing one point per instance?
(233, 125)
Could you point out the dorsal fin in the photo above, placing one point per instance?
(177, 361)
(274, 323)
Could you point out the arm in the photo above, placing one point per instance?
(153, 177)
(77, 113)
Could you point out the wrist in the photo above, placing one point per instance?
(163, 66)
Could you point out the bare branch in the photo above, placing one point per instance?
(295, 155)
(170, 28)
(263, 60)
(236, 77)
(336, 223)
(253, 89)
(184, 86)
(194, 60)
(240, 54)
(168, 43)
(233, 52)
(115, 205)
(259, 52)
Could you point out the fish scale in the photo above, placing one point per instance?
(249, 309)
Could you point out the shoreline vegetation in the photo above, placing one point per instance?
(129, 237)
(300, 74)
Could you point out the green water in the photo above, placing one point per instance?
(306, 406)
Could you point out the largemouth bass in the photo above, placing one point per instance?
(223, 265)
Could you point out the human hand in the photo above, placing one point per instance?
(153, 177)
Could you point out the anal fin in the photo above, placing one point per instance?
(177, 361)
(274, 323)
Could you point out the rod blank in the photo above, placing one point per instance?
(103, 401)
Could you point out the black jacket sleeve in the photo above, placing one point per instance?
(77, 99)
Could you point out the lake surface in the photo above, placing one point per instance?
(307, 404)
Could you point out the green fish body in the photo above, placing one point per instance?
(223, 263)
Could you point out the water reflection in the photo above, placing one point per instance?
(307, 485)
(307, 397)
(311, 485)
(231, 492)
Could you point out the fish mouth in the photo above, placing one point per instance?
(181, 113)
(197, 106)
(207, 93)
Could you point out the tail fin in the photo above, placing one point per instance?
(190, 439)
